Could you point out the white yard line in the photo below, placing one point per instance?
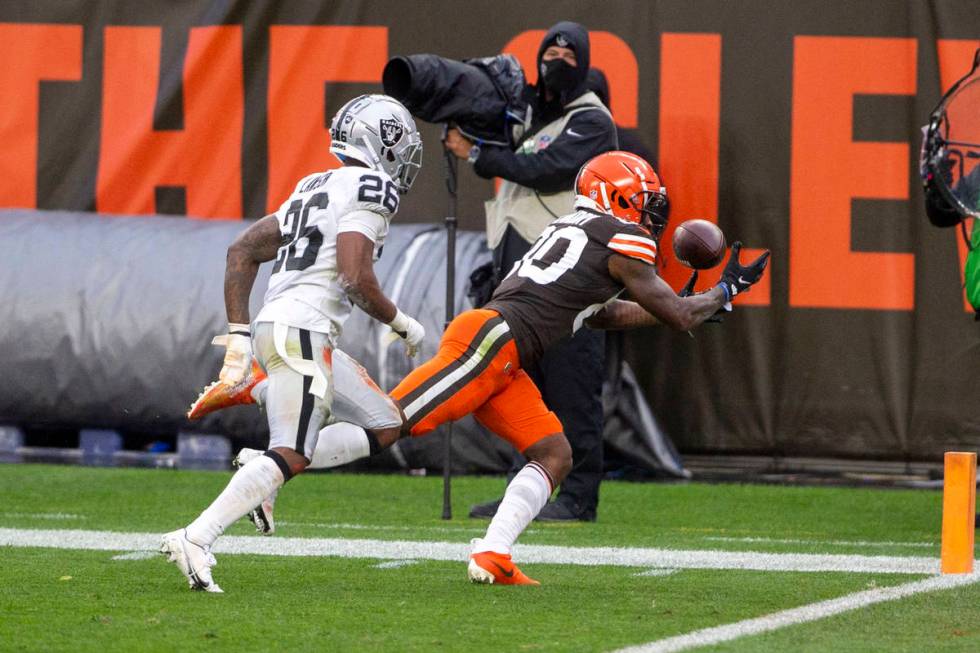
(395, 564)
(855, 543)
(385, 527)
(55, 516)
(526, 553)
(657, 572)
(136, 555)
(803, 614)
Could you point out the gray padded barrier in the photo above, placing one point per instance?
(107, 323)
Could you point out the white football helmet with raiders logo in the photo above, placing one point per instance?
(378, 131)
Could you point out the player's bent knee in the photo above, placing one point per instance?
(405, 430)
(563, 462)
(294, 461)
(554, 453)
(386, 437)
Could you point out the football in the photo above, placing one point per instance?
(699, 244)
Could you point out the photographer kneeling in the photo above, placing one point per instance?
(569, 126)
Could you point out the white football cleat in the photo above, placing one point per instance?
(261, 516)
(193, 560)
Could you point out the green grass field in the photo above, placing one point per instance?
(60, 597)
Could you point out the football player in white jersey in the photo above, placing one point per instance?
(324, 240)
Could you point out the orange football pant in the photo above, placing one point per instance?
(477, 370)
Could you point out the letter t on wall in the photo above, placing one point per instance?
(30, 54)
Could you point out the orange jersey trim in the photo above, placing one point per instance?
(637, 247)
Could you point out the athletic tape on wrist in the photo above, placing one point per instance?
(239, 329)
(399, 323)
(724, 288)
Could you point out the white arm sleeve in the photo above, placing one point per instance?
(371, 224)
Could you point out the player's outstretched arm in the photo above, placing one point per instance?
(657, 298)
(355, 265)
(621, 314)
(257, 244)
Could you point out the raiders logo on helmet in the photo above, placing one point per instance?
(391, 132)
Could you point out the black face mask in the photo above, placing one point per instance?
(558, 75)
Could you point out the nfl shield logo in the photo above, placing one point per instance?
(391, 132)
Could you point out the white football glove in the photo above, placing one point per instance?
(238, 353)
(410, 331)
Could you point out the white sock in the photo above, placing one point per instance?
(256, 480)
(339, 444)
(526, 495)
(258, 391)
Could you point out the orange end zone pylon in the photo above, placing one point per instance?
(959, 511)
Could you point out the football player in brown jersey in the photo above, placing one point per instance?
(572, 276)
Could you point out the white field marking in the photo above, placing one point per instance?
(136, 555)
(55, 516)
(456, 551)
(657, 572)
(855, 543)
(803, 614)
(386, 527)
(394, 564)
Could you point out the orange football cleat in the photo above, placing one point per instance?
(220, 395)
(489, 567)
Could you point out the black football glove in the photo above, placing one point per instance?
(738, 278)
(688, 290)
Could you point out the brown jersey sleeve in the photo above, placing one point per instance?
(632, 240)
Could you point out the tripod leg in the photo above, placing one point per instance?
(447, 464)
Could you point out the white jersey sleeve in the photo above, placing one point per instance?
(372, 225)
(303, 290)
